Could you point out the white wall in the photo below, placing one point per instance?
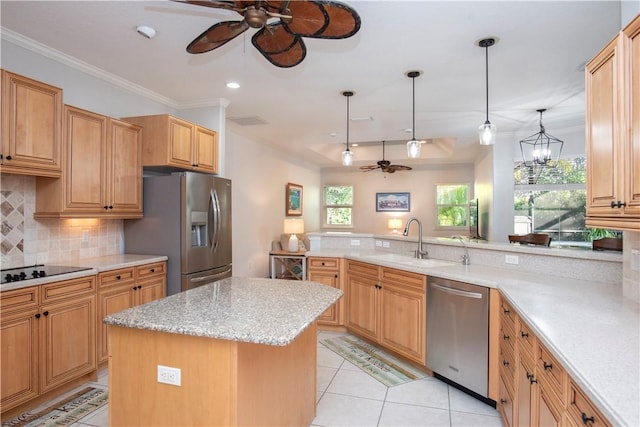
(420, 183)
(260, 175)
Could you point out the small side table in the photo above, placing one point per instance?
(287, 265)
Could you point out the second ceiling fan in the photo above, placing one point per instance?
(385, 165)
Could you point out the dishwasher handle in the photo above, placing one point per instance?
(458, 292)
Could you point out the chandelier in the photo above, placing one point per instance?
(540, 151)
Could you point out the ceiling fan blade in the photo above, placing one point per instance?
(228, 5)
(369, 168)
(309, 18)
(279, 47)
(343, 21)
(400, 168)
(217, 35)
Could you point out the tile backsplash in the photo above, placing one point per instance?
(28, 241)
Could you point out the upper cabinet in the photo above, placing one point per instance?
(613, 133)
(31, 127)
(102, 170)
(169, 142)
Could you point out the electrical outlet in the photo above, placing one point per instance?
(169, 375)
(385, 244)
(511, 259)
(378, 243)
(355, 242)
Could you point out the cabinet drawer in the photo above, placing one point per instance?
(507, 365)
(582, 411)
(404, 278)
(67, 289)
(507, 336)
(19, 299)
(526, 340)
(116, 277)
(553, 373)
(323, 263)
(507, 314)
(362, 268)
(149, 270)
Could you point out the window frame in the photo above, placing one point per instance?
(326, 206)
(466, 207)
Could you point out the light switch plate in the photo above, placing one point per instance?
(511, 259)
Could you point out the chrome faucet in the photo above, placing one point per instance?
(466, 259)
(419, 253)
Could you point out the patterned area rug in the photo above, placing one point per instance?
(385, 368)
(65, 412)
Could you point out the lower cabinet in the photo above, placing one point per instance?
(328, 271)
(48, 338)
(388, 306)
(124, 288)
(543, 393)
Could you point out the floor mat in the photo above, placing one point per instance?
(385, 368)
(65, 412)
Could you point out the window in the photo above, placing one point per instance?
(338, 205)
(452, 205)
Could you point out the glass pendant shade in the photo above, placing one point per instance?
(487, 133)
(413, 149)
(347, 157)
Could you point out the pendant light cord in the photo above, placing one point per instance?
(348, 123)
(413, 125)
(486, 51)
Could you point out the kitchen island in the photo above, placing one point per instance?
(245, 348)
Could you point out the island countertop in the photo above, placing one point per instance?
(253, 310)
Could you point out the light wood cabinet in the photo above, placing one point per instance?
(328, 271)
(613, 133)
(125, 288)
(49, 338)
(102, 170)
(31, 127)
(388, 306)
(169, 142)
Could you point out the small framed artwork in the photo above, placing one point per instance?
(293, 200)
(393, 202)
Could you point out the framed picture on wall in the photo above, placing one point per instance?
(293, 200)
(393, 202)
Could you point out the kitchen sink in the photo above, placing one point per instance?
(407, 260)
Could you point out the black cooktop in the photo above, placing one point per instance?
(36, 272)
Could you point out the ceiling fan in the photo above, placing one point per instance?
(385, 165)
(281, 26)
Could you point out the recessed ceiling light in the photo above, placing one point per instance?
(333, 134)
(233, 85)
(146, 31)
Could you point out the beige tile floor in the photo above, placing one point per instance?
(349, 397)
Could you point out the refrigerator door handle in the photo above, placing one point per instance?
(215, 213)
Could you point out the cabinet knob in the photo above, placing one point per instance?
(547, 366)
(139, 286)
(335, 275)
(1, 157)
(506, 337)
(37, 315)
(118, 277)
(586, 419)
(110, 207)
(46, 313)
(524, 334)
(8, 157)
(531, 378)
(618, 204)
(195, 165)
(505, 363)
(152, 270)
(134, 288)
(506, 311)
(503, 401)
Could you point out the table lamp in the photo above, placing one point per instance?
(394, 224)
(293, 226)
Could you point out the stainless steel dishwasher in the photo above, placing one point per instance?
(458, 334)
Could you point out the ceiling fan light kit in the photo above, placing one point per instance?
(347, 155)
(487, 131)
(280, 41)
(413, 146)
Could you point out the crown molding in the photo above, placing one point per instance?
(51, 53)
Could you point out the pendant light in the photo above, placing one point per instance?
(413, 146)
(487, 131)
(541, 149)
(347, 155)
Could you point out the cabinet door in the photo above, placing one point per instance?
(85, 136)
(548, 414)
(150, 290)
(124, 167)
(505, 404)
(362, 303)
(329, 278)
(180, 143)
(67, 341)
(206, 150)
(111, 300)
(632, 153)
(403, 321)
(524, 393)
(31, 126)
(19, 356)
(603, 132)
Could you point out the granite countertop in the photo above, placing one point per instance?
(93, 265)
(254, 310)
(589, 327)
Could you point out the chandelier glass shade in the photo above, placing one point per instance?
(487, 131)
(413, 146)
(347, 155)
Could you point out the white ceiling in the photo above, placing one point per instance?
(536, 63)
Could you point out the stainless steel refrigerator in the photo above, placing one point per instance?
(187, 217)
